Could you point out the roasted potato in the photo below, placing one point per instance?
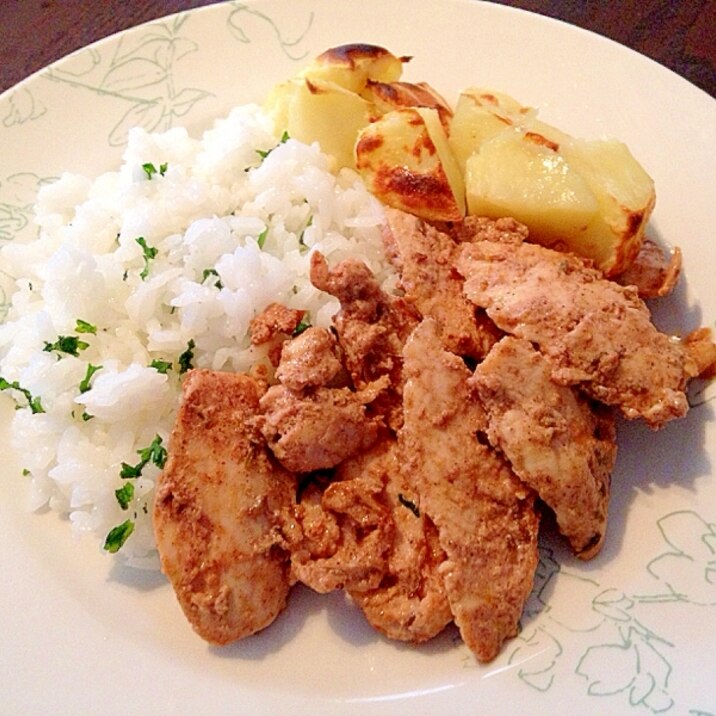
(481, 114)
(592, 198)
(352, 66)
(387, 96)
(404, 159)
(313, 110)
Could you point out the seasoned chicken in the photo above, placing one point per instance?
(653, 272)
(309, 360)
(218, 511)
(410, 603)
(273, 326)
(702, 350)
(318, 429)
(556, 442)
(341, 533)
(371, 325)
(484, 514)
(595, 333)
(424, 258)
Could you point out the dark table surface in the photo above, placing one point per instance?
(680, 34)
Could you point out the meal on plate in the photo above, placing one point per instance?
(353, 338)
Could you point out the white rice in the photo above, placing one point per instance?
(215, 268)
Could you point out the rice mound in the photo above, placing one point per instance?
(226, 225)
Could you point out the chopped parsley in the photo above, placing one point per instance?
(118, 535)
(303, 324)
(72, 345)
(85, 327)
(149, 253)
(409, 504)
(212, 272)
(91, 370)
(161, 366)
(186, 358)
(33, 402)
(261, 238)
(150, 170)
(302, 245)
(86, 416)
(154, 453)
(125, 495)
(263, 153)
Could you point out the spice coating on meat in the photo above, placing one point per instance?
(410, 603)
(218, 509)
(594, 332)
(424, 258)
(371, 326)
(484, 515)
(309, 360)
(556, 443)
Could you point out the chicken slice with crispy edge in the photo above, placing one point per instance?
(424, 258)
(484, 514)
(595, 333)
(557, 443)
(219, 509)
(371, 327)
(410, 603)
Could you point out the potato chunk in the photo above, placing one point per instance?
(352, 66)
(518, 174)
(318, 110)
(404, 159)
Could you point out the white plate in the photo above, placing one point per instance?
(630, 632)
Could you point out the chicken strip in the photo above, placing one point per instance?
(341, 533)
(425, 259)
(371, 326)
(594, 332)
(410, 603)
(219, 509)
(484, 514)
(556, 443)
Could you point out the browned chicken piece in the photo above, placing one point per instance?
(480, 228)
(309, 360)
(702, 349)
(595, 332)
(317, 429)
(425, 260)
(555, 441)
(218, 511)
(274, 320)
(372, 328)
(341, 534)
(484, 514)
(273, 326)
(653, 272)
(410, 603)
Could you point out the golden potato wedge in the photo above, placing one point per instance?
(313, 110)
(522, 175)
(352, 66)
(404, 159)
(481, 114)
(626, 196)
(387, 96)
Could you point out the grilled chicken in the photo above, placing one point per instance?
(424, 258)
(371, 327)
(485, 516)
(556, 442)
(219, 507)
(595, 333)
(343, 531)
(410, 603)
